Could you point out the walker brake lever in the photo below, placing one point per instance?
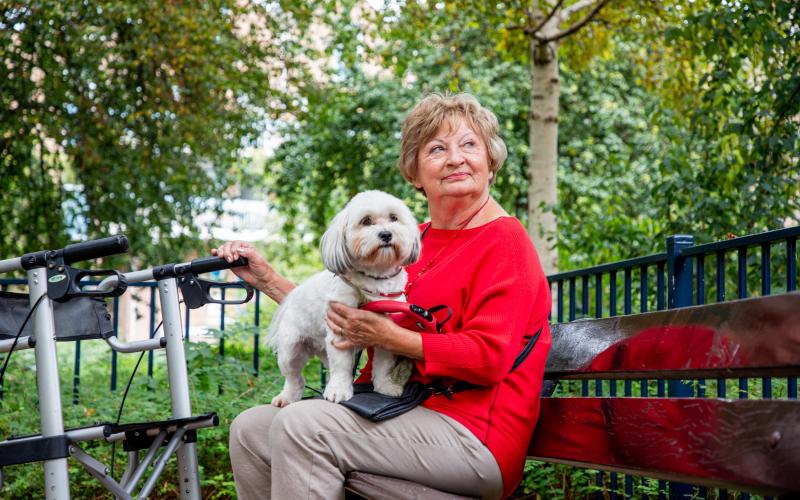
(197, 291)
(64, 283)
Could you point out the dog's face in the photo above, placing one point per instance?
(374, 232)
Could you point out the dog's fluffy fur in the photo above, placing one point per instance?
(367, 243)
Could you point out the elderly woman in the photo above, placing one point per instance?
(476, 259)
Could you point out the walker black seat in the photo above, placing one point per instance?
(35, 449)
(140, 435)
(81, 318)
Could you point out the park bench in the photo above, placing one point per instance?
(743, 444)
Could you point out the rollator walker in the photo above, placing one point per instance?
(60, 307)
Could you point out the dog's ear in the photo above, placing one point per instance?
(413, 231)
(415, 250)
(333, 246)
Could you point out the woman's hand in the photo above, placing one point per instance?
(361, 328)
(258, 272)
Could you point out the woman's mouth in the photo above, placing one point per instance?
(456, 176)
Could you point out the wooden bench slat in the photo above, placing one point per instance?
(753, 445)
(748, 337)
(375, 487)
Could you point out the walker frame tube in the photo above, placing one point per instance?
(179, 384)
(56, 479)
(177, 374)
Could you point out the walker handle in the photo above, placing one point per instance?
(209, 264)
(95, 249)
(75, 253)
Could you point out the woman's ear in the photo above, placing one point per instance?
(333, 245)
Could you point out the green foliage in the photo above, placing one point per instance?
(690, 136)
(737, 91)
(609, 147)
(143, 114)
(554, 481)
(345, 136)
(731, 164)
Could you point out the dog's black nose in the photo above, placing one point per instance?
(385, 236)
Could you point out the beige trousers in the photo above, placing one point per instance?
(307, 449)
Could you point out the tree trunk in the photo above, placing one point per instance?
(543, 142)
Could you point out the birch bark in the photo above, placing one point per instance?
(543, 141)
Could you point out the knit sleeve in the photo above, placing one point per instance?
(506, 296)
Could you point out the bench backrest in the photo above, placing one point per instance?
(751, 445)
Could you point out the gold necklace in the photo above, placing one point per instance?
(430, 263)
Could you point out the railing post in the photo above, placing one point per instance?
(680, 275)
(680, 280)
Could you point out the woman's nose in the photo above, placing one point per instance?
(454, 156)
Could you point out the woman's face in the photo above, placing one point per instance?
(454, 162)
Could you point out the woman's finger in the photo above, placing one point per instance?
(335, 326)
(347, 312)
(230, 250)
(334, 315)
(235, 249)
(337, 307)
(223, 251)
(344, 344)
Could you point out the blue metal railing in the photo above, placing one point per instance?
(680, 280)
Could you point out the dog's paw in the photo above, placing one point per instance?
(337, 393)
(389, 388)
(282, 401)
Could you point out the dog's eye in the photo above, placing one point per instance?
(366, 221)
(392, 218)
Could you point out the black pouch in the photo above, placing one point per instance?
(376, 407)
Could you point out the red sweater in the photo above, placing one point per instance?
(491, 278)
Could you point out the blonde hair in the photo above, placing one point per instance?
(434, 110)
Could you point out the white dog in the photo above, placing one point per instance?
(364, 250)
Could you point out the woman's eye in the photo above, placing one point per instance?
(392, 218)
(470, 144)
(437, 149)
(366, 221)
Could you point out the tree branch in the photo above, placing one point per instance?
(580, 4)
(546, 19)
(575, 27)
